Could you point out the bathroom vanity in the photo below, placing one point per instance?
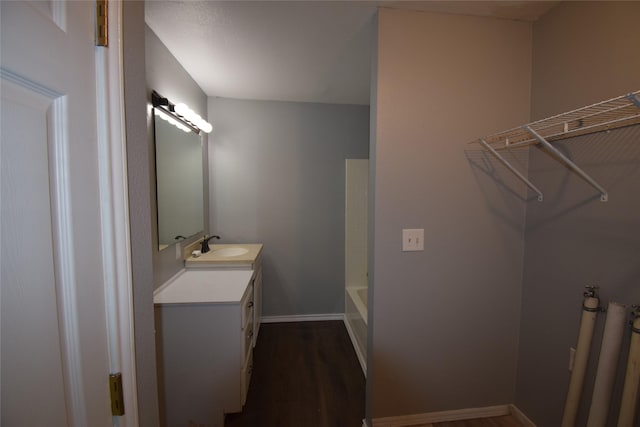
(227, 257)
(207, 321)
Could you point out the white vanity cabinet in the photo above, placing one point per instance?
(250, 259)
(205, 335)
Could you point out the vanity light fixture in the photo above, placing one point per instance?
(191, 116)
(179, 115)
(169, 118)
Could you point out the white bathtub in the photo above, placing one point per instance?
(355, 319)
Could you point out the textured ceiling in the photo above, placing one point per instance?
(306, 51)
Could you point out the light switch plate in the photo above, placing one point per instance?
(412, 239)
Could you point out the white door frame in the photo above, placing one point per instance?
(116, 247)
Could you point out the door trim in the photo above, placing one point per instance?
(114, 203)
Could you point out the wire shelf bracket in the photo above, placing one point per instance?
(515, 171)
(604, 196)
(603, 116)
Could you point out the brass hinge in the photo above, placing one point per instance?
(117, 398)
(102, 25)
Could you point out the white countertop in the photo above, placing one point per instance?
(204, 286)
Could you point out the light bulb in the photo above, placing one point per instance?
(181, 109)
(206, 127)
(189, 115)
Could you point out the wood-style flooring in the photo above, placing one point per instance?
(305, 375)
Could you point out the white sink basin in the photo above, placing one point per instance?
(230, 252)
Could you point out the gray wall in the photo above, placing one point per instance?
(445, 321)
(140, 195)
(166, 76)
(277, 178)
(583, 53)
(155, 70)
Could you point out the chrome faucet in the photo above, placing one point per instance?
(205, 243)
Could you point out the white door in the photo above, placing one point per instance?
(55, 363)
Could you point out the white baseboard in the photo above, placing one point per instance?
(455, 415)
(354, 343)
(520, 416)
(302, 318)
(443, 416)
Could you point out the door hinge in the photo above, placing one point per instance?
(102, 24)
(117, 398)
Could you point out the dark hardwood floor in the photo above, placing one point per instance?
(305, 374)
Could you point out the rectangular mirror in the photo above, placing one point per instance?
(179, 182)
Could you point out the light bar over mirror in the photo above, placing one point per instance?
(179, 115)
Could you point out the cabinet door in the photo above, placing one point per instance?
(247, 304)
(245, 378)
(247, 341)
(257, 303)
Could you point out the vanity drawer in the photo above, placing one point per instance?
(246, 377)
(247, 307)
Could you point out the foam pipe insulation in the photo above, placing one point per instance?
(585, 336)
(632, 378)
(607, 364)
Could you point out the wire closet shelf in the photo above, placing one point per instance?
(604, 116)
